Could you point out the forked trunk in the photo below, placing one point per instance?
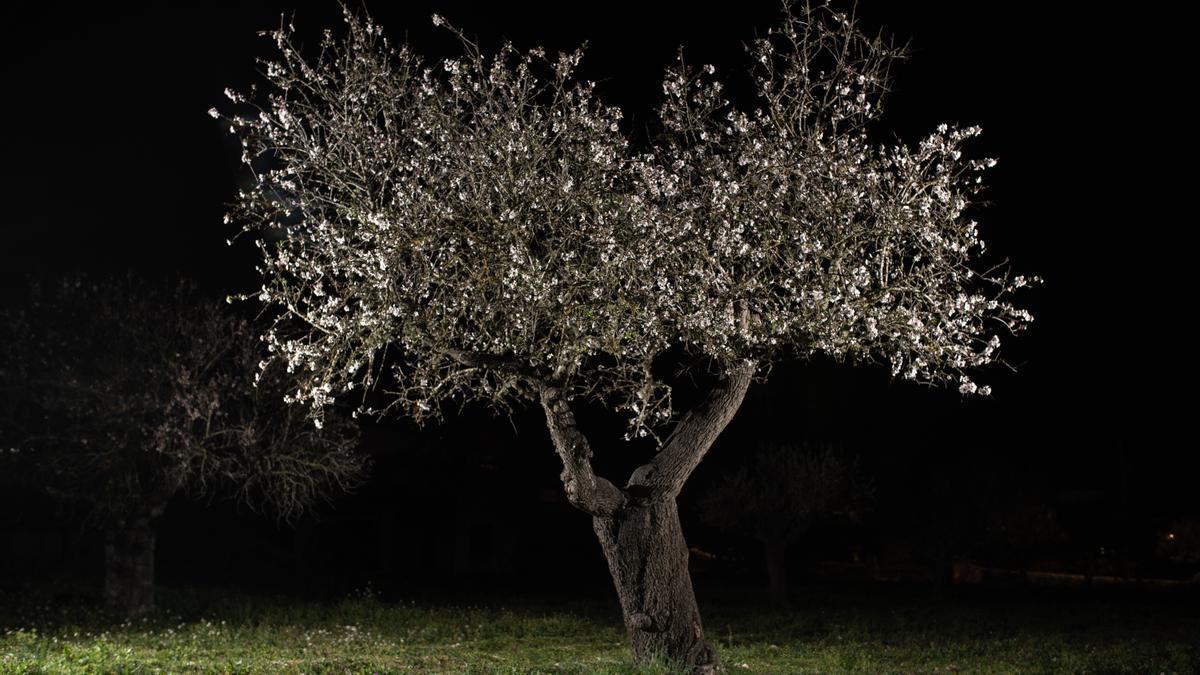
(638, 525)
(129, 566)
(648, 560)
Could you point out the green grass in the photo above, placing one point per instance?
(869, 630)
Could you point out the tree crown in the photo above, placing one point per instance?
(482, 227)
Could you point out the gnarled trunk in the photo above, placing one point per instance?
(638, 525)
(648, 560)
(129, 565)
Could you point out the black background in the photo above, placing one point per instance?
(113, 165)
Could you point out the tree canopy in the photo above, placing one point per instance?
(483, 227)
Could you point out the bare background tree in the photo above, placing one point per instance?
(783, 491)
(122, 395)
(482, 230)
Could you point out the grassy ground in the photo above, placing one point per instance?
(865, 629)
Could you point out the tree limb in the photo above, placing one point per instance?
(664, 476)
(585, 490)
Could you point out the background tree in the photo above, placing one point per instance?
(783, 492)
(482, 229)
(122, 395)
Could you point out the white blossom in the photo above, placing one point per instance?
(486, 224)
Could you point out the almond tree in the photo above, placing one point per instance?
(482, 229)
(120, 396)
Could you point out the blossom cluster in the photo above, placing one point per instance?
(480, 227)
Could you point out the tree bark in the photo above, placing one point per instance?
(129, 565)
(648, 559)
(775, 551)
(638, 525)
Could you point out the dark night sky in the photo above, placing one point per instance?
(114, 165)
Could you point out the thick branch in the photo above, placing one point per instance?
(525, 380)
(585, 490)
(480, 360)
(665, 475)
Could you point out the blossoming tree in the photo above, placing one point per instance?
(121, 396)
(482, 229)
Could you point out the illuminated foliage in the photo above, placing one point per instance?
(486, 222)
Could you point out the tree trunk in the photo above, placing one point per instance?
(129, 566)
(775, 551)
(638, 525)
(648, 560)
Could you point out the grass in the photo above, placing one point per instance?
(869, 630)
